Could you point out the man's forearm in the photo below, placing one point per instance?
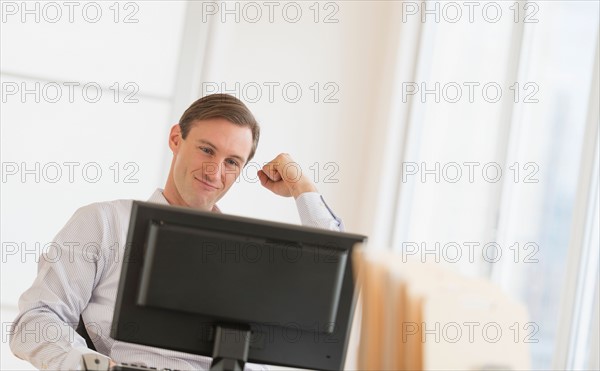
(314, 212)
(40, 337)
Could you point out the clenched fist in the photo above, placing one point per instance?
(284, 177)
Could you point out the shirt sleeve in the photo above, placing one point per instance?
(44, 331)
(314, 212)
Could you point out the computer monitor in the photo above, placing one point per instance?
(236, 289)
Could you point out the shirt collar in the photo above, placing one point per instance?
(158, 198)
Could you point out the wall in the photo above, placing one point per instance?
(65, 146)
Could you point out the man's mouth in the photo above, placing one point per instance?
(206, 185)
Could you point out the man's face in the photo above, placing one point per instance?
(207, 162)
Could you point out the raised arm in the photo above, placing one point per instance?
(284, 177)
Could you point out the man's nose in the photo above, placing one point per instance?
(212, 170)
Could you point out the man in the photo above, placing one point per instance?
(214, 139)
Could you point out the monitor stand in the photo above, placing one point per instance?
(230, 351)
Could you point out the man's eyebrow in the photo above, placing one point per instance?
(204, 141)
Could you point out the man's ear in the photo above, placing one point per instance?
(175, 138)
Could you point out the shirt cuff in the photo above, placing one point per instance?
(314, 212)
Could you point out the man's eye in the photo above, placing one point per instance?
(232, 162)
(206, 150)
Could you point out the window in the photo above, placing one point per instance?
(526, 151)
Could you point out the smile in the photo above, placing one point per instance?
(206, 185)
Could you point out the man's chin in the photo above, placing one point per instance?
(201, 204)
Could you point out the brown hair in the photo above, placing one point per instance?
(223, 106)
